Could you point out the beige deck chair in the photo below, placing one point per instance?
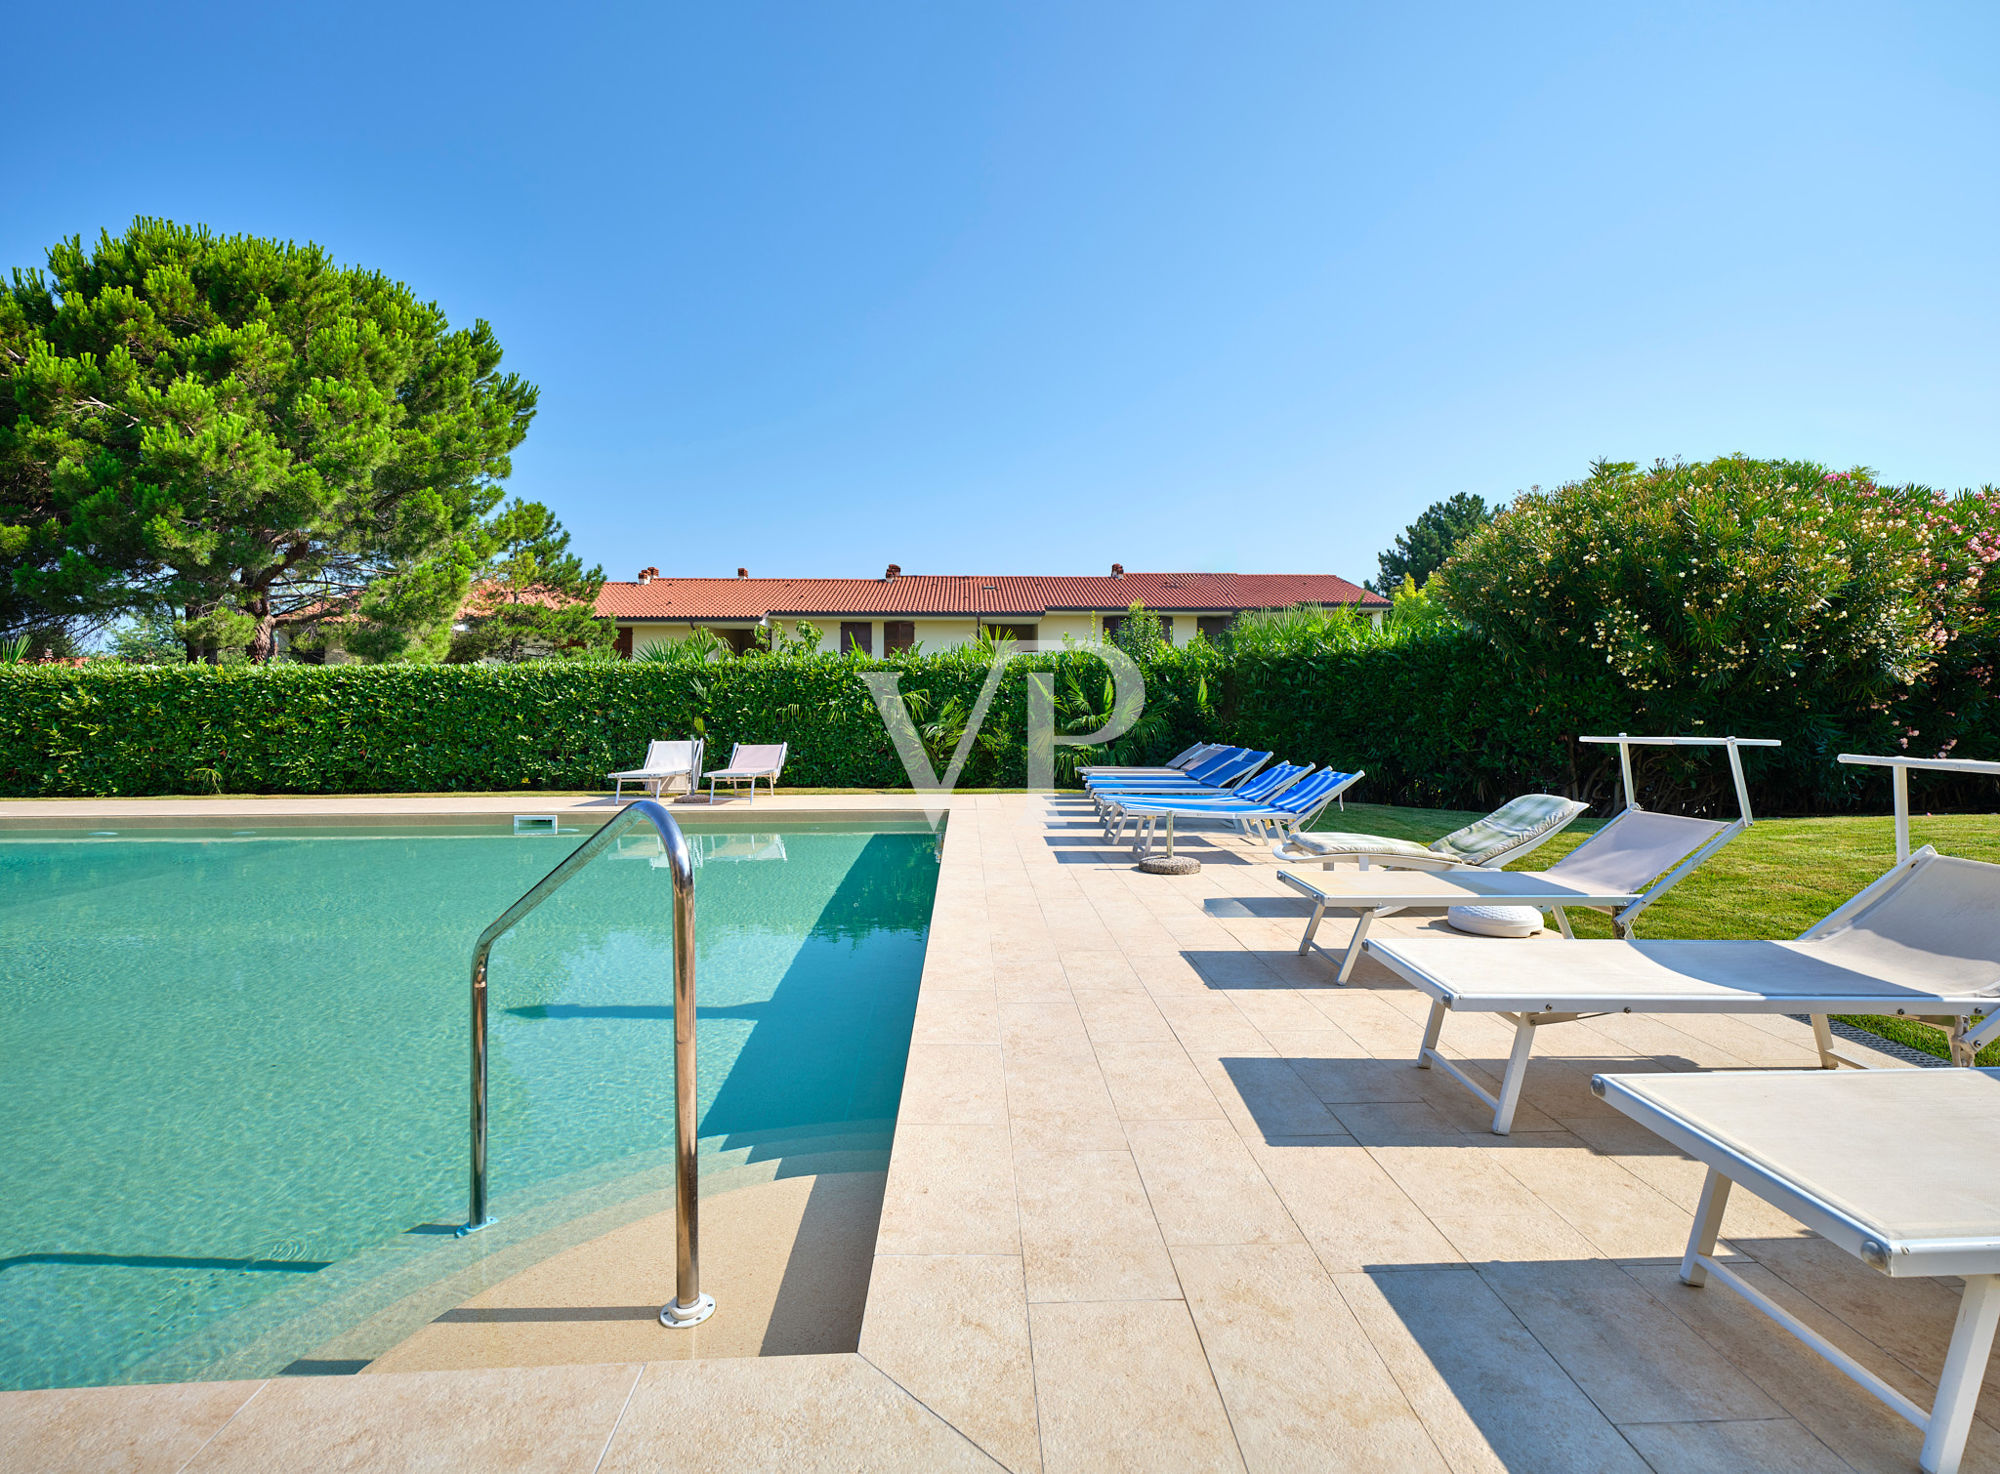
(747, 763)
(1900, 1168)
(1921, 942)
(1623, 868)
(665, 762)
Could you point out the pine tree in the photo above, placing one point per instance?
(246, 433)
(1423, 546)
(535, 597)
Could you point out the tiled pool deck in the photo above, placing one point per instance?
(1164, 1198)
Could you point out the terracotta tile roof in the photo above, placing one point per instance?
(965, 595)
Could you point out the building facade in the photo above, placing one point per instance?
(901, 611)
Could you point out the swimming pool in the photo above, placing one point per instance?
(235, 1065)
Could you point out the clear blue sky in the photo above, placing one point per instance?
(1030, 288)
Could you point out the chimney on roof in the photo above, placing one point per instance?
(1117, 570)
(895, 571)
(742, 573)
(646, 575)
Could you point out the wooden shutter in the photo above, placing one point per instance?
(898, 634)
(857, 634)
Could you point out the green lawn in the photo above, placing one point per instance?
(1773, 882)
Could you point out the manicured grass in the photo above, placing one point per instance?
(1770, 883)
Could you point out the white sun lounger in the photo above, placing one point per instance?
(1623, 868)
(1921, 941)
(1900, 1168)
(665, 761)
(747, 763)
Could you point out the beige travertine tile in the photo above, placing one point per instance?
(1205, 1187)
(1283, 1010)
(1486, 1213)
(1770, 1446)
(1123, 1018)
(1262, 1096)
(1399, 1123)
(1123, 1386)
(1209, 1023)
(1051, 1027)
(956, 1017)
(1087, 1229)
(541, 1418)
(1350, 1210)
(1099, 971)
(1489, 1395)
(115, 1430)
(1058, 1102)
(1287, 1353)
(1349, 1079)
(1155, 1082)
(952, 1330)
(801, 1414)
(954, 1085)
(1619, 1213)
(950, 1191)
(1621, 1346)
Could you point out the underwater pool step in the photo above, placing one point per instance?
(358, 1308)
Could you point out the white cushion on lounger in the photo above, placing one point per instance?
(1495, 921)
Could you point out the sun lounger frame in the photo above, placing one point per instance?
(1975, 1259)
(1624, 906)
(1531, 1011)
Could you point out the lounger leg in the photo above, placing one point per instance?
(1353, 952)
(1707, 1225)
(1562, 922)
(1312, 927)
(1517, 1069)
(1961, 1052)
(1964, 1367)
(1433, 1027)
(1823, 1041)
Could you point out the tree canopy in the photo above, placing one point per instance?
(1422, 547)
(534, 597)
(245, 434)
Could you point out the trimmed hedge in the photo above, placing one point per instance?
(103, 729)
(1432, 718)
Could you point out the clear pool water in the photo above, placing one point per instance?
(234, 1064)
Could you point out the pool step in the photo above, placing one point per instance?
(356, 1309)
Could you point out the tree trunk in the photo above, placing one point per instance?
(264, 643)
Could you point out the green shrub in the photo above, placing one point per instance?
(108, 729)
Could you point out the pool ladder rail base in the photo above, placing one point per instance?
(689, 1307)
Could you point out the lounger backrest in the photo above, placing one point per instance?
(1940, 922)
(1307, 792)
(1190, 756)
(762, 757)
(1515, 827)
(1634, 849)
(1271, 782)
(1216, 762)
(670, 757)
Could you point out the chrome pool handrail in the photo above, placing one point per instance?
(689, 1306)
